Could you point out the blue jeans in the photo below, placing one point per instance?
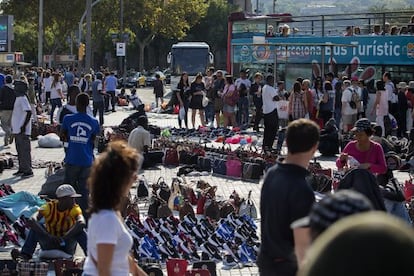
(33, 238)
(243, 113)
(99, 107)
(397, 209)
(55, 103)
(209, 111)
(77, 177)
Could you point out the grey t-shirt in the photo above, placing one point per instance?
(96, 89)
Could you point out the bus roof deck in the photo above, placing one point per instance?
(320, 25)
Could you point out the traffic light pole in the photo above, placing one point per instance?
(88, 35)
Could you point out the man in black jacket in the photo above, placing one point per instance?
(7, 98)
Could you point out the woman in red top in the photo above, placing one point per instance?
(368, 153)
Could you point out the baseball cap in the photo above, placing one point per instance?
(379, 239)
(66, 190)
(361, 125)
(333, 207)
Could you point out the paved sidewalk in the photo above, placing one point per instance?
(225, 186)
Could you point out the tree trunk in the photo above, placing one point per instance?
(141, 47)
(142, 44)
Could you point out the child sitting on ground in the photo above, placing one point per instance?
(134, 100)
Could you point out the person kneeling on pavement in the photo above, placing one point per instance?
(63, 226)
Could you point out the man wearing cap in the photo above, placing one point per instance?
(63, 226)
(285, 197)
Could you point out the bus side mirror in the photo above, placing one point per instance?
(210, 58)
(169, 58)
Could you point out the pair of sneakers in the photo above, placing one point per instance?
(23, 174)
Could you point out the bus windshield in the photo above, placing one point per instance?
(190, 60)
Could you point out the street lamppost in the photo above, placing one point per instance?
(40, 37)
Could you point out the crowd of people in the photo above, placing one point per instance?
(292, 224)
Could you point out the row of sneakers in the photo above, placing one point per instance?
(232, 240)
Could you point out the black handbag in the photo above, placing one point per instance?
(188, 158)
(252, 170)
(393, 190)
(219, 166)
(204, 163)
(163, 191)
(153, 207)
(152, 157)
(209, 265)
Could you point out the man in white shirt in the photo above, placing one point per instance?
(22, 128)
(270, 116)
(392, 96)
(349, 114)
(140, 139)
(243, 85)
(358, 90)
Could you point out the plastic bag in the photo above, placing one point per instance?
(182, 113)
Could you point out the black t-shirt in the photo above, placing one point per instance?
(285, 197)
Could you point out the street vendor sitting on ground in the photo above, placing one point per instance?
(63, 226)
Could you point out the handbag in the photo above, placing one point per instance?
(212, 209)
(186, 209)
(171, 157)
(176, 267)
(248, 208)
(152, 158)
(393, 190)
(29, 268)
(164, 211)
(153, 207)
(204, 163)
(233, 166)
(208, 265)
(188, 158)
(219, 166)
(205, 100)
(63, 266)
(252, 170)
(408, 189)
(162, 190)
(197, 272)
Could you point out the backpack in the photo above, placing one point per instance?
(355, 102)
(231, 99)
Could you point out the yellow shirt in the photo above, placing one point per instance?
(58, 223)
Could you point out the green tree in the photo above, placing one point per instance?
(166, 18)
(213, 27)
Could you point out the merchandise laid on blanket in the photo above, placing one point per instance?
(187, 221)
(15, 210)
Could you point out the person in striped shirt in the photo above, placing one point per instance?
(63, 226)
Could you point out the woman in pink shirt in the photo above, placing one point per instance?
(368, 153)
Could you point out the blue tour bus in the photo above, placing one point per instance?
(309, 46)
